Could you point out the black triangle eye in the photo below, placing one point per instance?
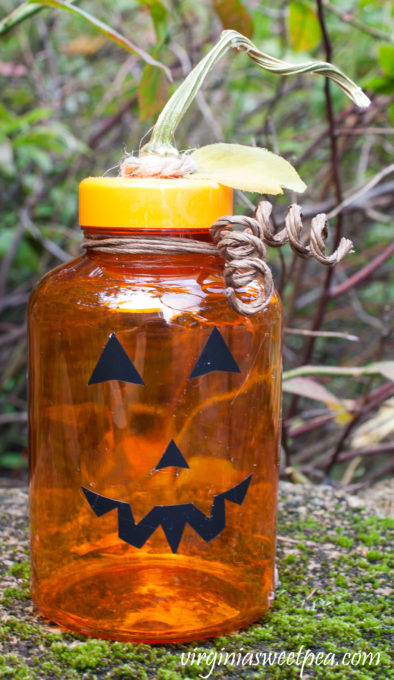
(114, 364)
(215, 356)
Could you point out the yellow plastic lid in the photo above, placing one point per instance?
(152, 203)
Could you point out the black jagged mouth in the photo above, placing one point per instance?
(172, 518)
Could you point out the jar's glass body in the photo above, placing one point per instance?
(204, 564)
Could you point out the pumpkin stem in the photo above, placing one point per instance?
(163, 132)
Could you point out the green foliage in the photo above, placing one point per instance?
(28, 141)
(73, 102)
(383, 84)
(386, 58)
(101, 26)
(152, 92)
(160, 19)
(304, 27)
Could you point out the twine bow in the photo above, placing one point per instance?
(244, 251)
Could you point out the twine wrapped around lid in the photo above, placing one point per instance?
(244, 251)
(153, 165)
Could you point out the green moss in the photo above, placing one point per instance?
(344, 541)
(127, 672)
(290, 559)
(83, 655)
(311, 523)
(11, 667)
(341, 581)
(10, 594)
(369, 538)
(328, 600)
(374, 556)
(20, 569)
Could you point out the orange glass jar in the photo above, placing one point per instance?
(154, 428)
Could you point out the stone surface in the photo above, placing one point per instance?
(332, 598)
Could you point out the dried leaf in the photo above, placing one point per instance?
(376, 429)
(246, 167)
(104, 28)
(85, 45)
(297, 477)
(233, 14)
(385, 368)
(311, 389)
(306, 387)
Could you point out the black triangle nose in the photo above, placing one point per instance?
(172, 457)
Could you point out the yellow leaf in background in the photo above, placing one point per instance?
(344, 411)
(85, 45)
(304, 27)
(248, 168)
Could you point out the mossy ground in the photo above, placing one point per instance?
(333, 597)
